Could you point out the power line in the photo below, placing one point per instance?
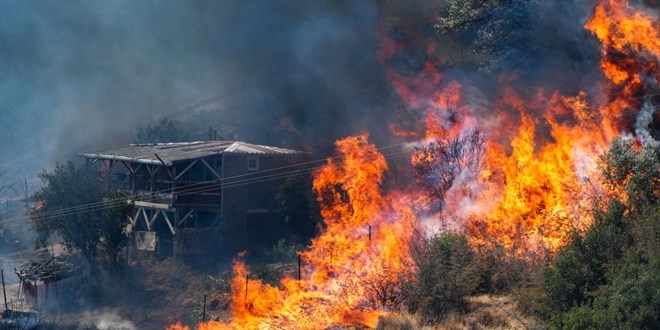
(249, 178)
(202, 187)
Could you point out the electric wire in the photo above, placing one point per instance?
(91, 207)
(254, 177)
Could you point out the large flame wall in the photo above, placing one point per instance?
(529, 194)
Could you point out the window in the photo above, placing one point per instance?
(253, 163)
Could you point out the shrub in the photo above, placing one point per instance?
(445, 274)
(610, 277)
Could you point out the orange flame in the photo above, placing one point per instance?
(527, 195)
(352, 268)
(631, 54)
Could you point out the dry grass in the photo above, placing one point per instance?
(486, 312)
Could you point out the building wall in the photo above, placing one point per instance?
(245, 197)
(250, 194)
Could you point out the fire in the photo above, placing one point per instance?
(524, 188)
(530, 191)
(623, 28)
(540, 185)
(353, 269)
(631, 56)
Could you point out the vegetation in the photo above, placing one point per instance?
(608, 277)
(445, 273)
(504, 34)
(75, 205)
(451, 160)
(299, 207)
(162, 131)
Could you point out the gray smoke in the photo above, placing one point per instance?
(643, 121)
(79, 75)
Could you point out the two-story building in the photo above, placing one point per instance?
(197, 197)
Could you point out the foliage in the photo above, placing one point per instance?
(445, 273)
(75, 205)
(300, 207)
(500, 34)
(162, 131)
(631, 300)
(283, 252)
(267, 273)
(632, 176)
(500, 272)
(608, 277)
(495, 30)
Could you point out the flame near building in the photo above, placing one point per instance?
(526, 192)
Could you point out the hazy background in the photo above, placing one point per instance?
(79, 75)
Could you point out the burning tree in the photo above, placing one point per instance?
(452, 163)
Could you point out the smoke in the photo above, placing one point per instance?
(112, 321)
(643, 121)
(79, 75)
(105, 321)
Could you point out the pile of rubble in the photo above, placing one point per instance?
(51, 270)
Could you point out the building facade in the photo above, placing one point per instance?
(196, 197)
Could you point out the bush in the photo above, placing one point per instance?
(445, 274)
(630, 301)
(501, 272)
(283, 252)
(610, 277)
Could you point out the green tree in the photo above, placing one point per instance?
(631, 300)
(501, 34)
(493, 31)
(75, 204)
(632, 176)
(607, 278)
(162, 131)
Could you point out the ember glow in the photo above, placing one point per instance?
(525, 188)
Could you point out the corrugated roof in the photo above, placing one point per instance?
(172, 152)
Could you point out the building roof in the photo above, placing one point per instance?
(176, 151)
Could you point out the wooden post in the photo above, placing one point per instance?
(4, 292)
(299, 267)
(173, 188)
(247, 278)
(370, 233)
(204, 310)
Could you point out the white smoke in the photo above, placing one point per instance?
(642, 123)
(112, 321)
